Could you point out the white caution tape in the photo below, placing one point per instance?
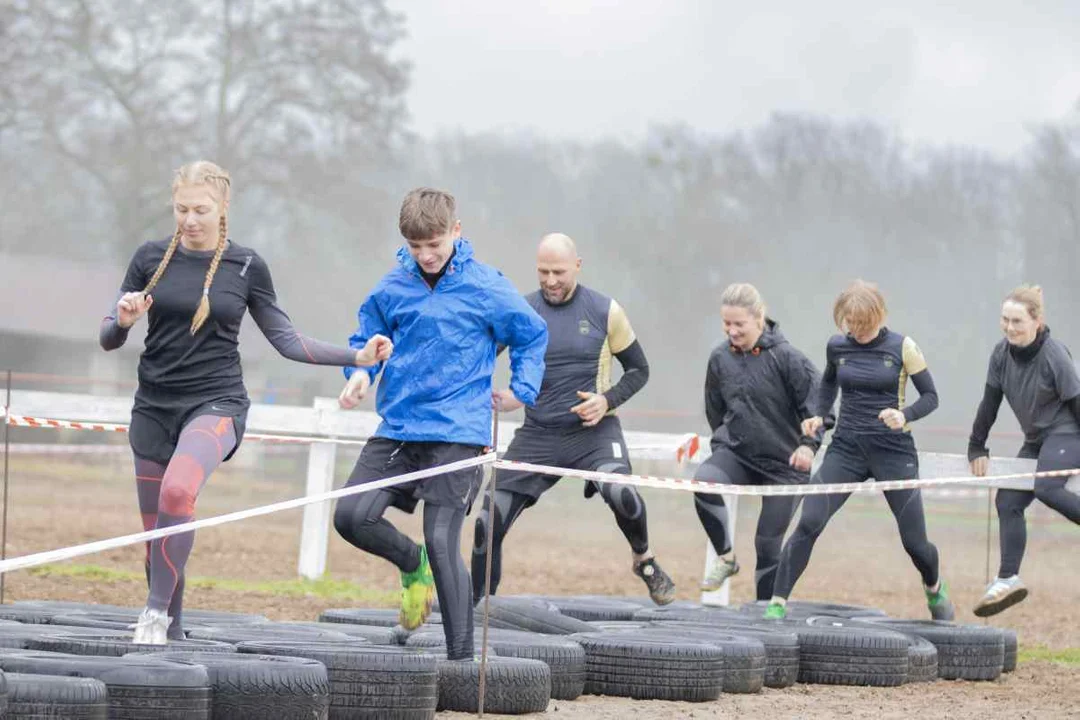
(691, 485)
(51, 556)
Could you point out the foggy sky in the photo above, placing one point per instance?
(973, 73)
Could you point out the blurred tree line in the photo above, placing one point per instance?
(304, 103)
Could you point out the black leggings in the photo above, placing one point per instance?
(624, 500)
(1058, 452)
(723, 467)
(856, 459)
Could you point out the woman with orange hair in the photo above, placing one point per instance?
(1038, 377)
(191, 404)
(869, 365)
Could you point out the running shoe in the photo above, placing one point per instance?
(1001, 595)
(941, 607)
(661, 588)
(417, 594)
(151, 628)
(721, 570)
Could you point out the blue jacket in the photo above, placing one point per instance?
(437, 385)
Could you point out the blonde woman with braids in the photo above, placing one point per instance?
(1038, 377)
(191, 404)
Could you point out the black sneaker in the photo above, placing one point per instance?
(661, 588)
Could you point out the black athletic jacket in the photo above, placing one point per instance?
(755, 401)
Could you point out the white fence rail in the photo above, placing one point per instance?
(324, 426)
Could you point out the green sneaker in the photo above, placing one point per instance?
(417, 594)
(775, 611)
(721, 570)
(941, 607)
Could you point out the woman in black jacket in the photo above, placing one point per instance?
(757, 392)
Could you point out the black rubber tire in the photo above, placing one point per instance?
(593, 608)
(368, 681)
(700, 615)
(653, 667)
(512, 686)
(922, 655)
(563, 656)
(744, 657)
(18, 636)
(617, 625)
(525, 614)
(117, 646)
(53, 696)
(852, 656)
(267, 631)
(252, 687)
(965, 652)
(26, 614)
(781, 649)
(379, 617)
(803, 609)
(1008, 664)
(103, 621)
(372, 633)
(195, 616)
(138, 688)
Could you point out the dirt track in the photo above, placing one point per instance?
(567, 545)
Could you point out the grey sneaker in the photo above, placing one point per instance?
(1001, 595)
(721, 570)
(152, 628)
(661, 588)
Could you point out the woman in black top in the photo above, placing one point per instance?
(871, 365)
(1036, 374)
(191, 404)
(758, 389)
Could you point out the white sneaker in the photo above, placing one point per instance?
(152, 628)
(1001, 595)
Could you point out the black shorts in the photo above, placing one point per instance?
(382, 458)
(158, 418)
(882, 456)
(725, 467)
(601, 447)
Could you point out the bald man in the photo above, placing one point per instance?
(573, 422)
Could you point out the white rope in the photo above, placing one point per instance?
(51, 556)
(691, 485)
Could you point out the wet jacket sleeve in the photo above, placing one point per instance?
(984, 420)
(516, 325)
(110, 334)
(370, 322)
(915, 365)
(278, 328)
(715, 405)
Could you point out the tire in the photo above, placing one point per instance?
(852, 656)
(922, 655)
(700, 616)
(744, 657)
(1008, 664)
(800, 609)
(117, 646)
(269, 632)
(512, 686)
(138, 688)
(52, 696)
(102, 621)
(25, 614)
(965, 652)
(647, 667)
(367, 616)
(217, 617)
(593, 608)
(371, 633)
(18, 636)
(564, 657)
(252, 687)
(374, 682)
(522, 614)
(617, 625)
(781, 649)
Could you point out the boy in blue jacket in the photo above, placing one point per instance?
(446, 314)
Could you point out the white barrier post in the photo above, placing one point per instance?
(722, 596)
(315, 532)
